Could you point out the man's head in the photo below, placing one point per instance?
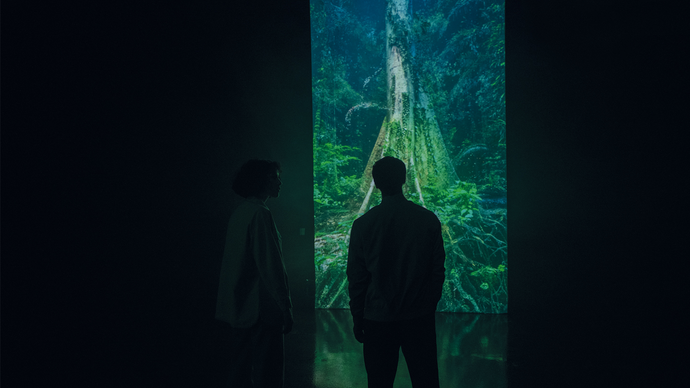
(389, 175)
(258, 178)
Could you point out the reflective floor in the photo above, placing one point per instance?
(471, 352)
(474, 350)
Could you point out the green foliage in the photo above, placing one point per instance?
(464, 76)
(456, 204)
(493, 179)
(323, 201)
(405, 107)
(393, 126)
(489, 276)
(330, 265)
(330, 157)
(474, 240)
(331, 186)
(341, 81)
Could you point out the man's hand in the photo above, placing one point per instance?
(287, 321)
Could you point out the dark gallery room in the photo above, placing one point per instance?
(124, 125)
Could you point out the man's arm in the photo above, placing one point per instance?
(358, 278)
(438, 272)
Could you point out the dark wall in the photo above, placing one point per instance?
(123, 124)
(592, 115)
(127, 123)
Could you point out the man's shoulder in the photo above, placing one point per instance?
(420, 211)
(406, 206)
(363, 218)
(368, 217)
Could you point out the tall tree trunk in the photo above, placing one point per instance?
(410, 131)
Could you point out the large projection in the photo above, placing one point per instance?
(424, 81)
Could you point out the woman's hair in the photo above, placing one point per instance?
(389, 174)
(251, 180)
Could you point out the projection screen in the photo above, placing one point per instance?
(424, 81)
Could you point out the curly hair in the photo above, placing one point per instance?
(250, 181)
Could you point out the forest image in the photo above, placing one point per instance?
(423, 81)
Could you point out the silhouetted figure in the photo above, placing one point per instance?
(253, 294)
(396, 271)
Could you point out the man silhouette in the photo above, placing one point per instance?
(395, 270)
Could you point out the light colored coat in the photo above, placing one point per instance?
(253, 281)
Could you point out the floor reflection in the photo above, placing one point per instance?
(471, 348)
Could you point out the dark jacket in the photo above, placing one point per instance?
(395, 262)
